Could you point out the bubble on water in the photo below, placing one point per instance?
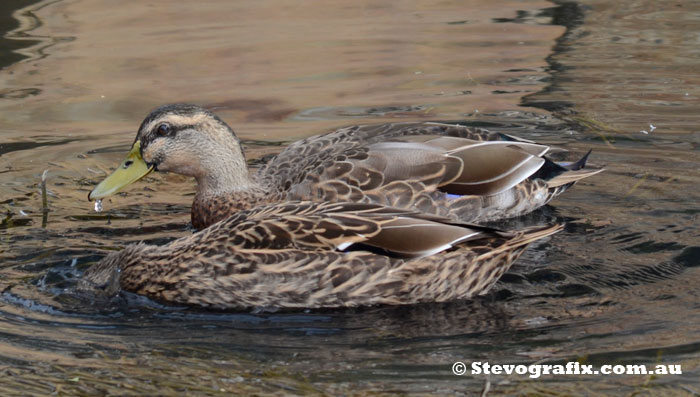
(98, 205)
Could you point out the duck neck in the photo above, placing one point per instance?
(223, 189)
(224, 179)
(223, 171)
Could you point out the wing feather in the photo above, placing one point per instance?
(339, 226)
(493, 168)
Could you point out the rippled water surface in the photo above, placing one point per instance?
(618, 286)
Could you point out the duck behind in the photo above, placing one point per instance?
(450, 170)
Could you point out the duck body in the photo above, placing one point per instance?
(311, 255)
(449, 170)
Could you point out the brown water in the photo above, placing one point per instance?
(618, 286)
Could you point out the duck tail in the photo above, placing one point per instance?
(570, 177)
(530, 234)
(518, 240)
(564, 173)
(580, 163)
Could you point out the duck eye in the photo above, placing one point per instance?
(163, 129)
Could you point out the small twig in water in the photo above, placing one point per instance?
(636, 185)
(487, 388)
(44, 199)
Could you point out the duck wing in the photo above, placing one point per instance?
(308, 155)
(337, 227)
(464, 173)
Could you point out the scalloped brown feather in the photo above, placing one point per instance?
(297, 255)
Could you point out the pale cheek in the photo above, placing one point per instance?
(181, 164)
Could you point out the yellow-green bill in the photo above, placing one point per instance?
(129, 171)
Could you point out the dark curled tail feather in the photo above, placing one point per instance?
(581, 162)
(558, 175)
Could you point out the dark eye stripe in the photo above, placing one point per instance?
(153, 134)
(172, 130)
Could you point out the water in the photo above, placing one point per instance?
(618, 286)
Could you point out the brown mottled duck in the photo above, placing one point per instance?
(465, 174)
(312, 255)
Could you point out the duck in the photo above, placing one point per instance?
(469, 175)
(316, 255)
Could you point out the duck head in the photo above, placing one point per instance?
(184, 139)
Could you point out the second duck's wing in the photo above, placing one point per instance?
(451, 170)
(303, 157)
(400, 173)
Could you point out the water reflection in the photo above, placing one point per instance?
(628, 66)
(17, 40)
